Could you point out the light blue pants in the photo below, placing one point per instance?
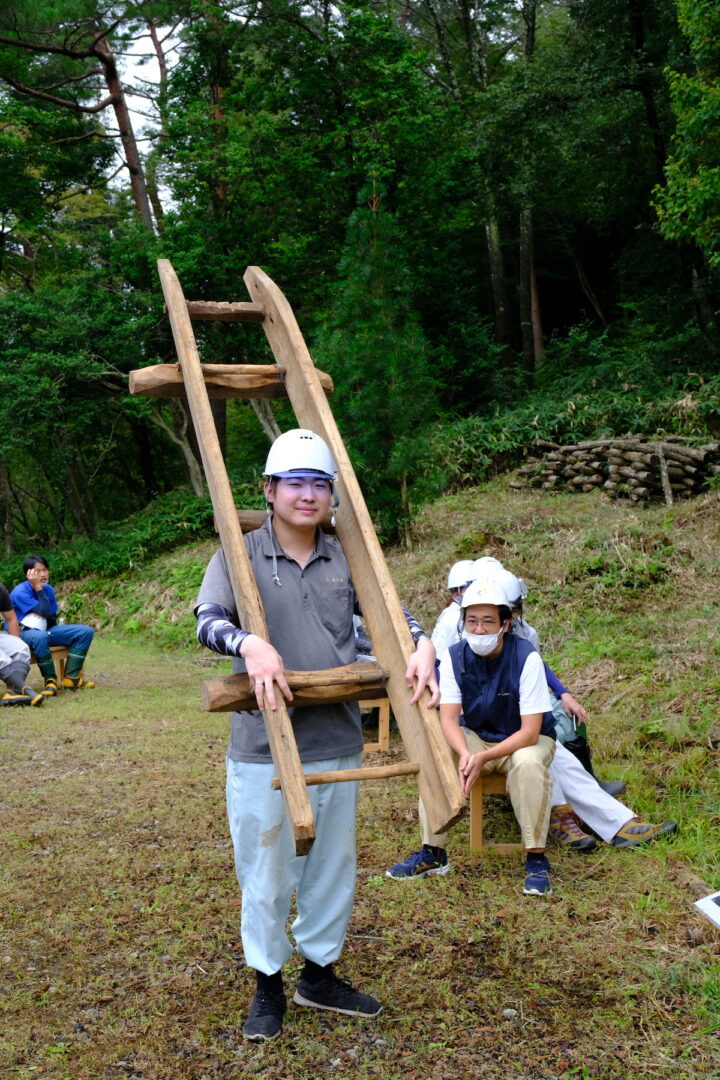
(269, 871)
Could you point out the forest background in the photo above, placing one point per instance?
(494, 223)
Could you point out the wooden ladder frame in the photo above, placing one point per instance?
(296, 375)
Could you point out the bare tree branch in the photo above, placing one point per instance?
(65, 102)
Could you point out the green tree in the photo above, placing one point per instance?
(689, 203)
(377, 354)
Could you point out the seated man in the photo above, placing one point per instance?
(575, 791)
(14, 659)
(494, 682)
(36, 607)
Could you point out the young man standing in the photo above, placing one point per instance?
(309, 601)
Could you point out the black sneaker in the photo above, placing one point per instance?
(14, 697)
(616, 788)
(265, 1017)
(336, 995)
(35, 697)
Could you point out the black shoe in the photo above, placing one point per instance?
(613, 787)
(35, 697)
(14, 697)
(265, 1017)
(336, 995)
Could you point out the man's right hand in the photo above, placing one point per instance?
(265, 668)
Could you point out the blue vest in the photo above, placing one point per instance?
(490, 689)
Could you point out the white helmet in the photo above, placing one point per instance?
(484, 590)
(514, 587)
(460, 574)
(300, 451)
(486, 566)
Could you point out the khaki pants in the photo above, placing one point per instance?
(528, 783)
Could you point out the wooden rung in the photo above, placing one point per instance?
(372, 772)
(232, 693)
(221, 381)
(219, 311)
(254, 519)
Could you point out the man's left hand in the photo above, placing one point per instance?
(421, 672)
(573, 707)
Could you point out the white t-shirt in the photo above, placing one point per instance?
(445, 633)
(534, 696)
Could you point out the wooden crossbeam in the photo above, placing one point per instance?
(370, 772)
(253, 519)
(221, 381)
(354, 682)
(247, 599)
(419, 726)
(219, 311)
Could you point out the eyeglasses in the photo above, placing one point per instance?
(486, 624)
(298, 483)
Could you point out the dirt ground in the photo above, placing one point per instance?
(119, 950)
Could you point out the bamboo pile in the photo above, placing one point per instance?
(638, 468)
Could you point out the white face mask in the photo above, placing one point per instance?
(483, 644)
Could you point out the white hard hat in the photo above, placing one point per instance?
(485, 566)
(485, 590)
(514, 587)
(460, 574)
(300, 451)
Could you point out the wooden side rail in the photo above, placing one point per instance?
(387, 629)
(247, 598)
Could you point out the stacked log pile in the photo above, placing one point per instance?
(638, 468)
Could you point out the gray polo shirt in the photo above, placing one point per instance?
(309, 619)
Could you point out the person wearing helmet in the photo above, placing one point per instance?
(446, 628)
(495, 714)
(577, 795)
(309, 602)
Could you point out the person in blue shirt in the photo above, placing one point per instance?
(37, 611)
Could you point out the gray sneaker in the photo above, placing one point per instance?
(616, 788)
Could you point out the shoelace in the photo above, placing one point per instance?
(266, 1001)
(569, 824)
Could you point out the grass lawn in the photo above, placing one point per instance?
(119, 947)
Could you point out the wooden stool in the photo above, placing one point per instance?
(383, 724)
(489, 784)
(59, 654)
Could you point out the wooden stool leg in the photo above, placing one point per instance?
(476, 817)
(384, 725)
